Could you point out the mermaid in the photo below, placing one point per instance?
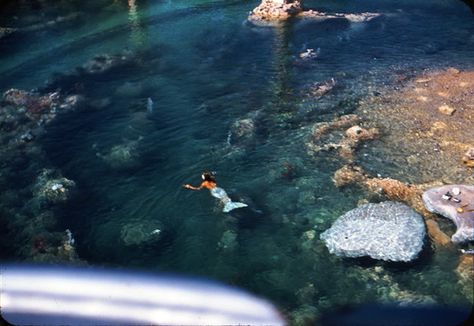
(209, 182)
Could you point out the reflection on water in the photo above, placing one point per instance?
(211, 76)
(137, 33)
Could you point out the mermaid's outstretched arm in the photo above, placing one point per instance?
(188, 186)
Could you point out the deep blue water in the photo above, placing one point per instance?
(204, 69)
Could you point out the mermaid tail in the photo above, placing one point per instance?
(228, 203)
(233, 205)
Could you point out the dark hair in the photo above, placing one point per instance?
(209, 176)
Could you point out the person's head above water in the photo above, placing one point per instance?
(208, 176)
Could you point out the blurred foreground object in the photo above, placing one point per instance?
(33, 295)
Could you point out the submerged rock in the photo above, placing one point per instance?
(103, 63)
(242, 132)
(140, 233)
(5, 31)
(245, 132)
(465, 271)
(389, 231)
(122, 156)
(353, 18)
(129, 89)
(228, 240)
(455, 202)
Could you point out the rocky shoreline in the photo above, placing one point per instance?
(427, 122)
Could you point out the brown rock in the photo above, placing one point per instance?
(399, 191)
(274, 11)
(453, 71)
(358, 133)
(347, 175)
(436, 234)
(468, 158)
(446, 109)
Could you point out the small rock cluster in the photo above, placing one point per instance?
(333, 135)
(40, 109)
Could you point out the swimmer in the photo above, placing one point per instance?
(209, 182)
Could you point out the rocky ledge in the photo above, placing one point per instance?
(455, 202)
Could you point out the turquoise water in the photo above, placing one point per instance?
(204, 69)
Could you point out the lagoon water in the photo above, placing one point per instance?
(204, 69)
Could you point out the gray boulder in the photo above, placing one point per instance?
(389, 231)
(455, 202)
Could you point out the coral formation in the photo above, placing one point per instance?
(52, 188)
(389, 231)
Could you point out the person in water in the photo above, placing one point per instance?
(209, 182)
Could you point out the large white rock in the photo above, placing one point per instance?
(389, 231)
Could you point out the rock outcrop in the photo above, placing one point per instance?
(271, 12)
(274, 12)
(343, 135)
(455, 202)
(389, 231)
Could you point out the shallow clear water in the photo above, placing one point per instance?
(204, 69)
